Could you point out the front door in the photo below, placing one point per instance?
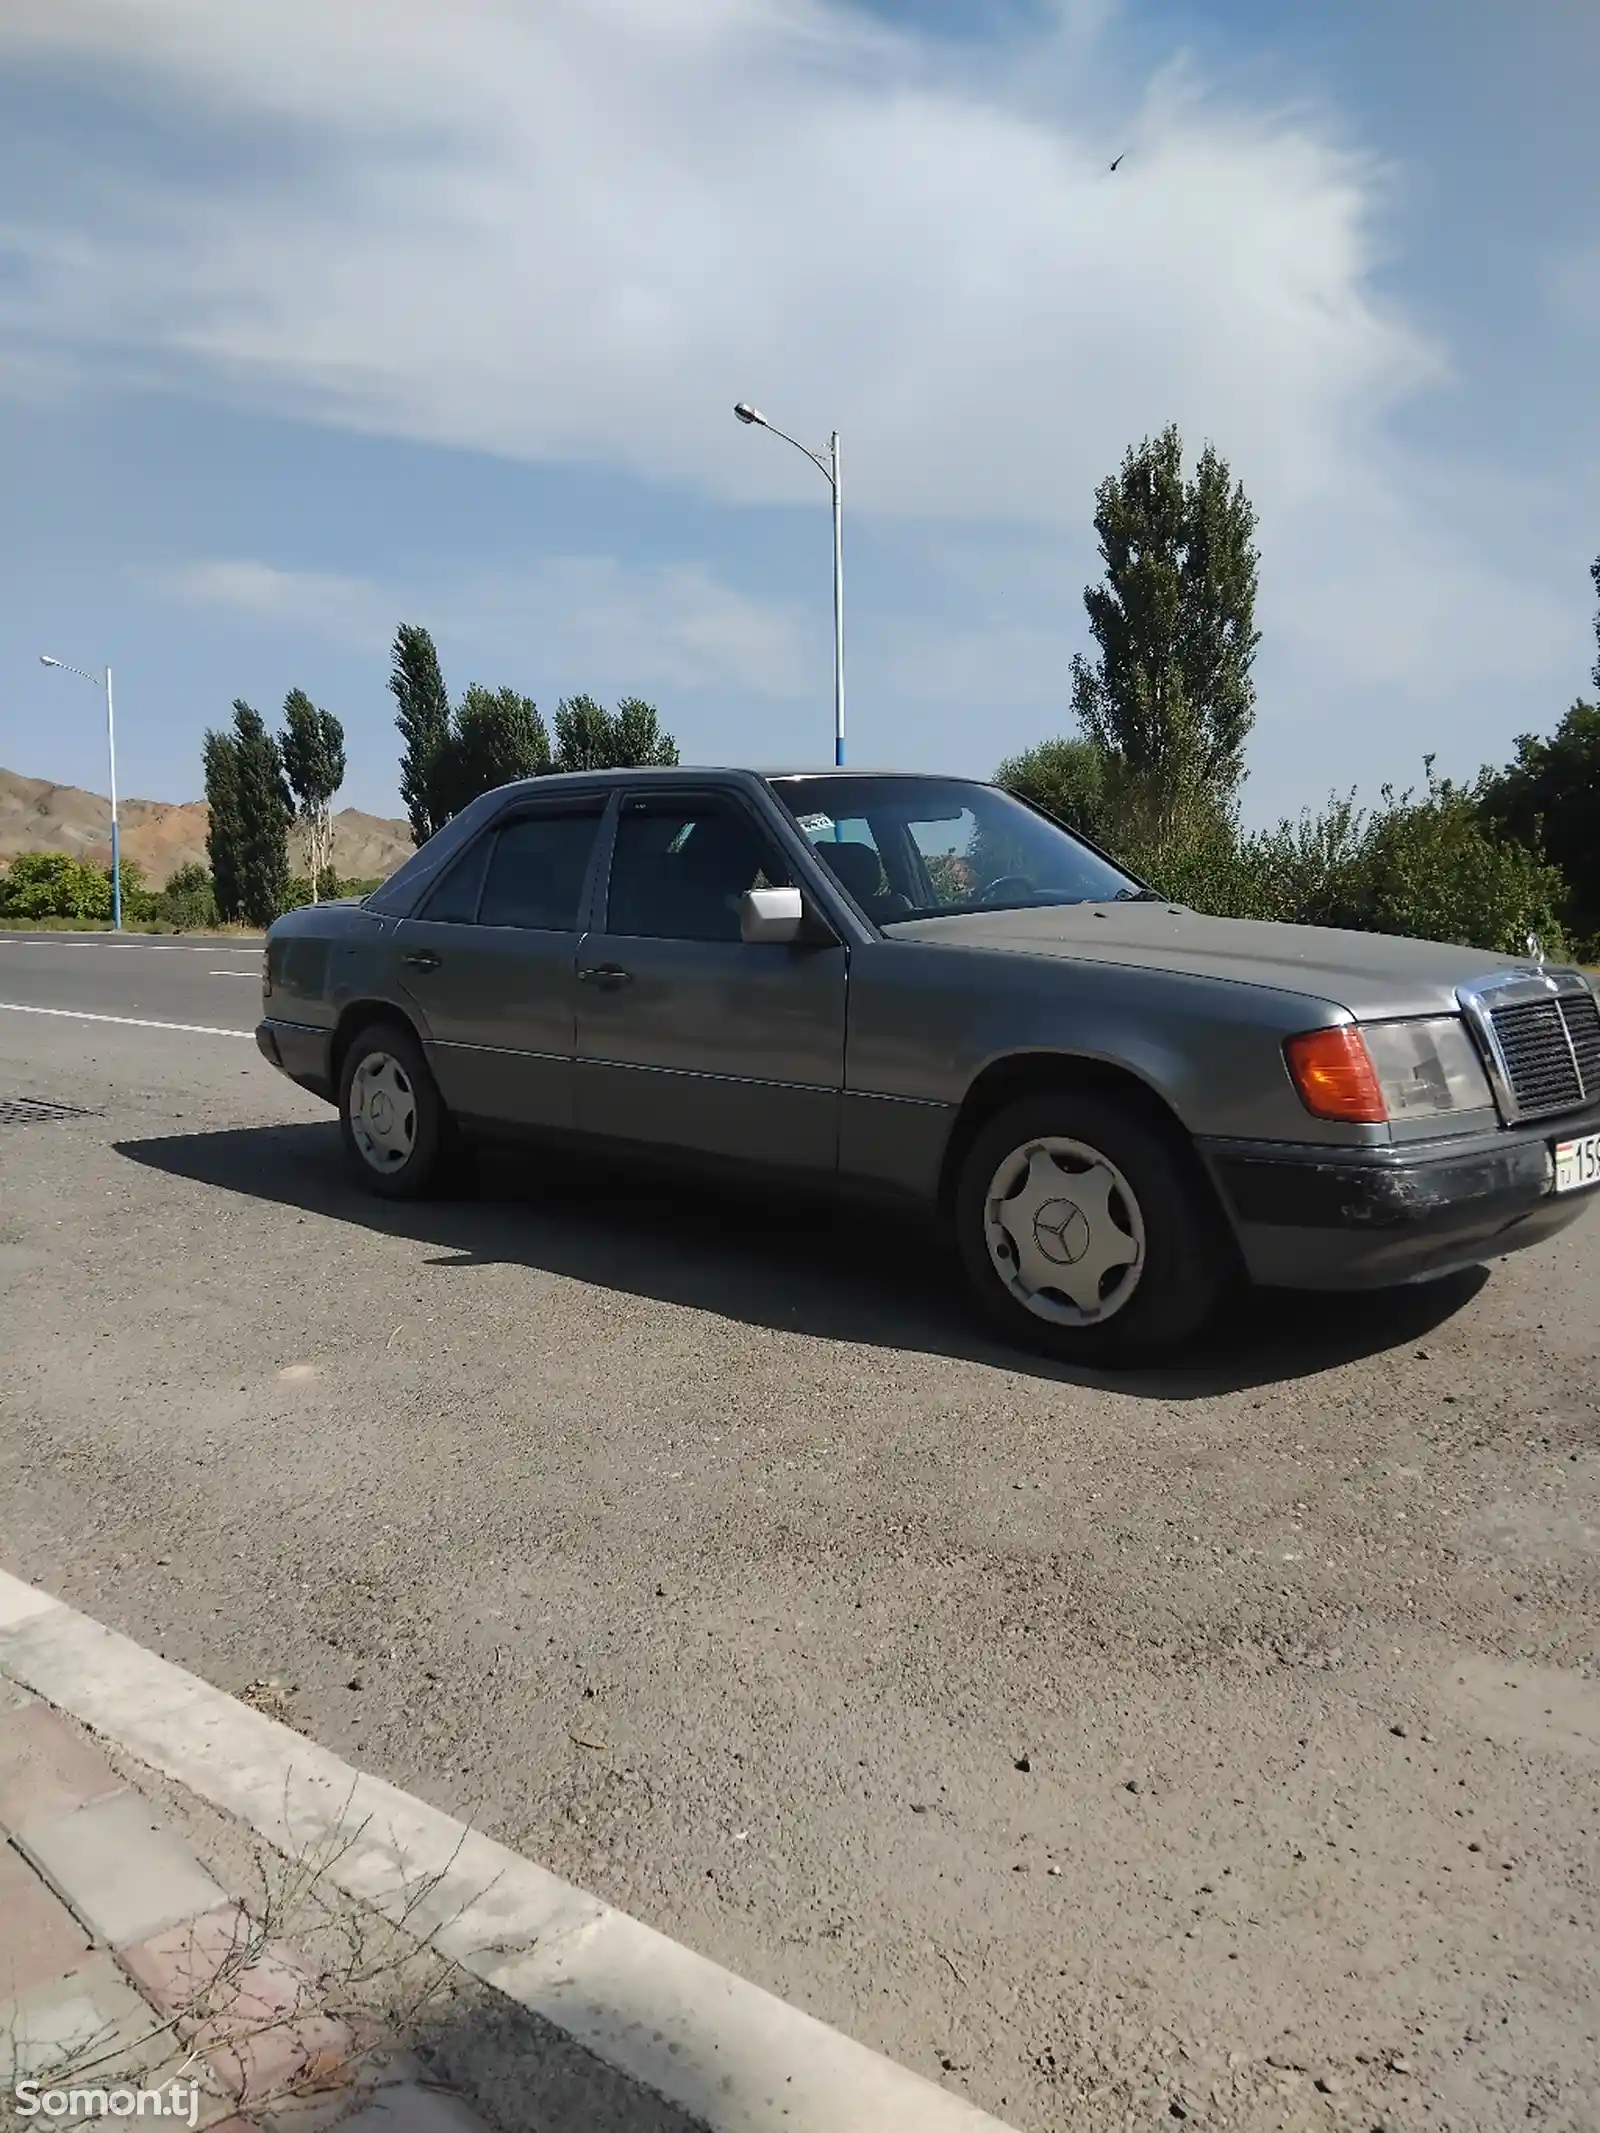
(687, 1037)
(490, 958)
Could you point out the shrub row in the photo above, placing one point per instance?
(54, 885)
(1430, 864)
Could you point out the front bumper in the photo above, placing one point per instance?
(1310, 1217)
(301, 1051)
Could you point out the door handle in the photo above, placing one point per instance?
(421, 959)
(608, 976)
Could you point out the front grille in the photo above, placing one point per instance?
(1583, 1027)
(1552, 1052)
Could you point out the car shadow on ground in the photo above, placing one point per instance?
(801, 1267)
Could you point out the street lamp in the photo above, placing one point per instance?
(829, 469)
(111, 750)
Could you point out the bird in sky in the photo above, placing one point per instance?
(1119, 159)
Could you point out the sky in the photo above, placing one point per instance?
(315, 319)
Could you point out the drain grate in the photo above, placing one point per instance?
(23, 1110)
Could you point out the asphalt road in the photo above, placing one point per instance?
(202, 985)
(1093, 1746)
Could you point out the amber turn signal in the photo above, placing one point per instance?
(1333, 1073)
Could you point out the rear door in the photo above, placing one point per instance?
(490, 962)
(689, 1038)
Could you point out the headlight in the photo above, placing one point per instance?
(1376, 1072)
(1427, 1067)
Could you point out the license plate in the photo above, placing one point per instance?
(1578, 1163)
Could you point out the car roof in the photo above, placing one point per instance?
(941, 777)
(668, 773)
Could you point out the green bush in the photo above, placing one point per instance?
(45, 885)
(1433, 868)
(53, 888)
(54, 885)
(1550, 797)
(1427, 865)
(138, 901)
(329, 889)
(1065, 777)
(1204, 865)
(188, 902)
(1435, 865)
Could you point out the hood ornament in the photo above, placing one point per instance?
(1535, 948)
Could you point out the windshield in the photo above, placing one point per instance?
(931, 847)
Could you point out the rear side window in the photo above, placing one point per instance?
(536, 871)
(455, 901)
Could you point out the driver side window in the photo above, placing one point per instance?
(679, 869)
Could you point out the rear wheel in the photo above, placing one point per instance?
(1085, 1230)
(395, 1126)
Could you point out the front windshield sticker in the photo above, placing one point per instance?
(814, 825)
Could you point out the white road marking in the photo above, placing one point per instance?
(121, 947)
(231, 974)
(78, 1014)
(734, 2057)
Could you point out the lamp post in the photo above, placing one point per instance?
(829, 469)
(111, 751)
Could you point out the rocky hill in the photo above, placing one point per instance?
(162, 836)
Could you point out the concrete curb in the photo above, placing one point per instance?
(718, 2047)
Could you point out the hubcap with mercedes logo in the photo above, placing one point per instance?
(1061, 1231)
(383, 1112)
(1064, 1231)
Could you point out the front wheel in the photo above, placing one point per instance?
(1086, 1230)
(390, 1113)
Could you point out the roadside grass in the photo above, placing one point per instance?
(148, 926)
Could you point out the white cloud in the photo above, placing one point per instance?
(623, 629)
(578, 233)
(676, 623)
(351, 611)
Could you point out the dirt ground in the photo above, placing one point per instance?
(1223, 1742)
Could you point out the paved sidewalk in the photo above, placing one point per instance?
(125, 1966)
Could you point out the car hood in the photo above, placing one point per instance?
(1371, 974)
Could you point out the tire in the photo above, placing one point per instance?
(1142, 1263)
(397, 1132)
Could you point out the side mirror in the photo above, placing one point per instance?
(771, 917)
